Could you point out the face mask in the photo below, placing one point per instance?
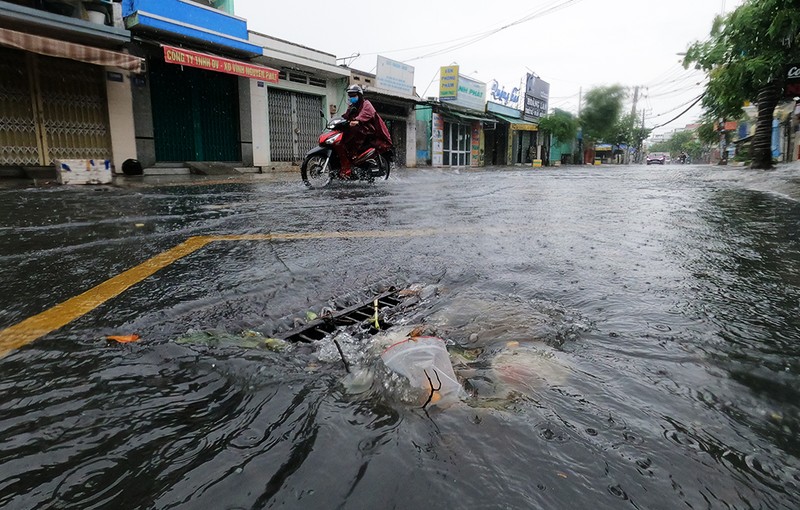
(353, 99)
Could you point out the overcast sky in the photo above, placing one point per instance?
(572, 44)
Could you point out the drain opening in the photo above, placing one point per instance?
(363, 313)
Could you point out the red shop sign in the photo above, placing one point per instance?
(173, 55)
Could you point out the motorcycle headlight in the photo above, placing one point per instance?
(335, 138)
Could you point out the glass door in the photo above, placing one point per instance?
(457, 146)
(463, 145)
(448, 128)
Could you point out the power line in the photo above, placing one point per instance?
(682, 113)
(674, 109)
(682, 79)
(462, 38)
(674, 91)
(483, 35)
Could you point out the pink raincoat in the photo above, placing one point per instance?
(371, 130)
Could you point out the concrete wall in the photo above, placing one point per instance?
(120, 118)
(143, 120)
(411, 139)
(259, 122)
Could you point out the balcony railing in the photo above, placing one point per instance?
(95, 11)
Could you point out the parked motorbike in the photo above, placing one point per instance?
(329, 160)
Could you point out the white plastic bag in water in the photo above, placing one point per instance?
(425, 362)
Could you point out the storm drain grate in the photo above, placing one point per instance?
(363, 313)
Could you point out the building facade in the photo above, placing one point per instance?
(193, 102)
(396, 103)
(64, 83)
(289, 115)
(513, 142)
(458, 120)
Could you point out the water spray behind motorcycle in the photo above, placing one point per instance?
(330, 160)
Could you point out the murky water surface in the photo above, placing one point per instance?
(626, 337)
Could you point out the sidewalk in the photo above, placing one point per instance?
(291, 174)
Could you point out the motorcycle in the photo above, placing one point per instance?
(329, 160)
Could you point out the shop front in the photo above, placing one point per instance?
(459, 120)
(192, 103)
(525, 144)
(458, 137)
(521, 140)
(530, 149)
(396, 114)
(195, 113)
(294, 124)
(289, 114)
(391, 92)
(457, 143)
(62, 87)
(515, 139)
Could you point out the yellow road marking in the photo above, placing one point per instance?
(63, 313)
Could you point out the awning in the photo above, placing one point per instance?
(72, 51)
(517, 123)
(464, 116)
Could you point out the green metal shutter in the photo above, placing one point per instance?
(219, 117)
(195, 114)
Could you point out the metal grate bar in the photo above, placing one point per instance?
(360, 313)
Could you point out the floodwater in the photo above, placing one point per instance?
(625, 337)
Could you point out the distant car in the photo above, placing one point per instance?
(658, 158)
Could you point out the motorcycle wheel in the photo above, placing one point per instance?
(386, 165)
(312, 172)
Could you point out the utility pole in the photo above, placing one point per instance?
(579, 159)
(635, 99)
(633, 116)
(639, 155)
(723, 143)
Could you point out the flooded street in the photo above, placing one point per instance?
(625, 337)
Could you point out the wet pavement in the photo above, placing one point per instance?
(625, 337)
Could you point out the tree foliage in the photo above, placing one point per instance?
(628, 131)
(601, 113)
(707, 132)
(562, 125)
(682, 141)
(623, 130)
(745, 59)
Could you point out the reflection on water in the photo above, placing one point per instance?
(625, 337)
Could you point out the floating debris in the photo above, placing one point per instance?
(248, 339)
(528, 369)
(423, 360)
(124, 339)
